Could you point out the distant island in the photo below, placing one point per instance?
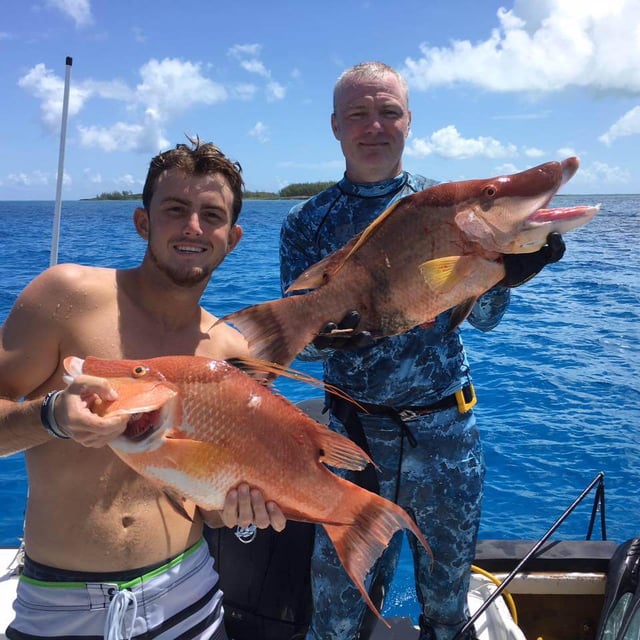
(295, 191)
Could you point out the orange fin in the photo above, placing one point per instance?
(361, 544)
(373, 227)
(260, 368)
(320, 272)
(339, 451)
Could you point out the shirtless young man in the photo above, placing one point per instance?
(122, 556)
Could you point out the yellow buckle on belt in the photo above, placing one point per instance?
(466, 403)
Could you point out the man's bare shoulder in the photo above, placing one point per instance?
(65, 283)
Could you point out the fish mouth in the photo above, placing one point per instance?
(557, 214)
(142, 425)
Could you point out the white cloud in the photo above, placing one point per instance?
(533, 152)
(567, 152)
(171, 86)
(127, 180)
(33, 178)
(602, 173)
(628, 125)
(260, 131)
(121, 136)
(275, 91)
(540, 47)
(248, 56)
(168, 87)
(448, 143)
(78, 10)
(49, 89)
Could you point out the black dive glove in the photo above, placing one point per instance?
(521, 267)
(347, 341)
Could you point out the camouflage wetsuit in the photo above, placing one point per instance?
(436, 469)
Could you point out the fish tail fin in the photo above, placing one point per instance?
(276, 330)
(359, 545)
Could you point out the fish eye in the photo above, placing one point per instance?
(490, 191)
(140, 371)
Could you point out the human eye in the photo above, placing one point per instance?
(356, 114)
(214, 216)
(173, 208)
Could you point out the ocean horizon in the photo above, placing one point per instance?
(557, 381)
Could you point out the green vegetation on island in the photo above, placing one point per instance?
(297, 190)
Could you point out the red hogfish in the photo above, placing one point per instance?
(200, 427)
(431, 251)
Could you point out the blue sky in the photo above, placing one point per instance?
(495, 87)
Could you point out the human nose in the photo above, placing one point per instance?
(192, 225)
(374, 124)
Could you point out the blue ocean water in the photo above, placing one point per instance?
(557, 381)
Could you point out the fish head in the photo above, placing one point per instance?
(144, 394)
(508, 214)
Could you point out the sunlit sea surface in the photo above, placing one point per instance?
(557, 380)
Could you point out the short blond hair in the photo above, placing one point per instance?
(372, 70)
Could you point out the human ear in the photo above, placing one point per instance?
(334, 126)
(235, 233)
(141, 222)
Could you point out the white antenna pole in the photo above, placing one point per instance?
(63, 134)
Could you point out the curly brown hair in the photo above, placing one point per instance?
(198, 158)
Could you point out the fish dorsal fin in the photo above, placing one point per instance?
(320, 272)
(261, 369)
(440, 274)
(461, 312)
(372, 228)
(338, 451)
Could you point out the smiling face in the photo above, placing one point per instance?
(371, 120)
(188, 225)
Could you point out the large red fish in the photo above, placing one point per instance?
(437, 249)
(200, 427)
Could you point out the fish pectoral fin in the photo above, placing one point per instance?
(339, 451)
(176, 502)
(442, 274)
(460, 313)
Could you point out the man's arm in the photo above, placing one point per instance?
(30, 345)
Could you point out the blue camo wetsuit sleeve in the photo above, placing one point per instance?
(490, 308)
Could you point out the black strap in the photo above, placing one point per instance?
(346, 412)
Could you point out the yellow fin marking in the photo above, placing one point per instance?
(440, 274)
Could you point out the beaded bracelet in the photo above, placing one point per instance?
(48, 418)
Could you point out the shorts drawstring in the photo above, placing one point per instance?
(115, 626)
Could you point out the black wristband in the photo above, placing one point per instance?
(48, 418)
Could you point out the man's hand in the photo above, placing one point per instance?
(522, 267)
(343, 335)
(245, 506)
(75, 415)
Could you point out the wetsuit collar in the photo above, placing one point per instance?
(373, 189)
